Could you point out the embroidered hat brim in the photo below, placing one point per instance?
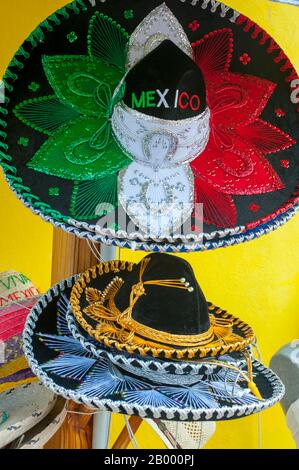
(163, 369)
(226, 333)
(62, 159)
(73, 373)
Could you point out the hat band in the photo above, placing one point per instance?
(109, 316)
(159, 142)
(163, 337)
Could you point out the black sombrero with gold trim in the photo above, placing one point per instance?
(154, 308)
(219, 389)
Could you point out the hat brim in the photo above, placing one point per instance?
(135, 396)
(165, 370)
(26, 405)
(55, 207)
(101, 275)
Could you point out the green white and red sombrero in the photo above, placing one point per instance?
(167, 126)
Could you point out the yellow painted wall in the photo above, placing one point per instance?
(257, 281)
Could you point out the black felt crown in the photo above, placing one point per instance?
(175, 311)
(167, 67)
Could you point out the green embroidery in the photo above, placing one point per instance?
(68, 153)
(128, 14)
(75, 80)
(107, 40)
(34, 86)
(78, 116)
(10, 171)
(93, 199)
(54, 191)
(72, 37)
(24, 141)
(45, 114)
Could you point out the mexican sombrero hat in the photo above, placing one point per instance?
(169, 126)
(78, 367)
(17, 296)
(155, 308)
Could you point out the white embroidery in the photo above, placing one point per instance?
(158, 201)
(160, 143)
(159, 25)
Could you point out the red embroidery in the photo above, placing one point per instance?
(279, 112)
(254, 207)
(233, 162)
(273, 46)
(285, 163)
(213, 52)
(194, 25)
(218, 209)
(245, 59)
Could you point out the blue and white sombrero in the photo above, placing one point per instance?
(72, 365)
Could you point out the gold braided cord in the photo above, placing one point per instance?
(248, 377)
(225, 345)
(200, 339)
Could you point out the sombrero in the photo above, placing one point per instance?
(225, 388)
(129, 307)
(26, 406)
(17, 296)
(153, 111)
(160, 370)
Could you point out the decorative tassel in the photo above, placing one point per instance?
(255, 391)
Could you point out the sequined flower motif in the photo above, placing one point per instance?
(245, 59)
(128, 14)
(54, 191)
(23, 141)
(254, 207)
(285, 163)
(77, 118)
(72, 37)
(234, 162)
(194, 25)
(34, 86)
(279, 112)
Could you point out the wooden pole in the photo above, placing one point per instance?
(124, 439)
(71, 255)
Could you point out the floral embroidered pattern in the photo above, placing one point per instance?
(23, 141)
(194, 25)
(54, 191)
(34, 86)
(254, 207)
(285, 163)
(128, 14)
(80, 147)
(77, 117)
(245, 59)
(233, 162)
(72, 37)
(279, 112)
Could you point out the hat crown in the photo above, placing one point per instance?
(166, 84)
(167, 309)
